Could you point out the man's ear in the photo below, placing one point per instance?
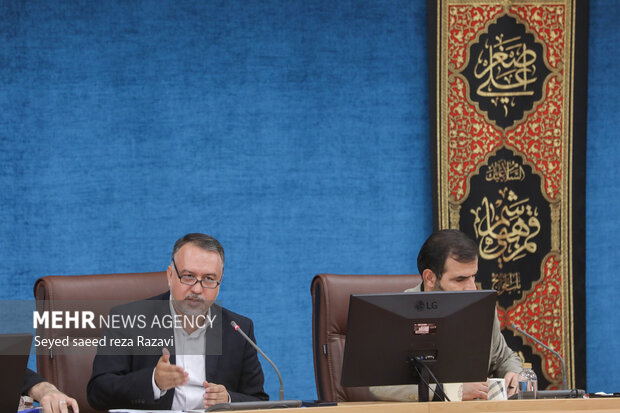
(429, 279)
(169, 275)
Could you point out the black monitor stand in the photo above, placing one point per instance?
(420, 374)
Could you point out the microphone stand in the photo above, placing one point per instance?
(564, 386)
(238, 330)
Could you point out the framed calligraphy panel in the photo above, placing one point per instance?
(508, 100)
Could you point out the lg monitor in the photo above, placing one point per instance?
(390, 335)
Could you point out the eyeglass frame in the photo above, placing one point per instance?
(196, 280)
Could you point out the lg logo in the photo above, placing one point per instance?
(426, 305)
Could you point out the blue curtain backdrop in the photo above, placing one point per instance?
(602, 198)
(295, 132)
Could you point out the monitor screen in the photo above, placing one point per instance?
(450, 331)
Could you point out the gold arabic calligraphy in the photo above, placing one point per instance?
(505, 229)
(508, 67)
(506, 282)
(504, 171)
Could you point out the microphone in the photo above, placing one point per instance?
(513, 325)
(240, 331)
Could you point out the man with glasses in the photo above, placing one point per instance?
(208, 363)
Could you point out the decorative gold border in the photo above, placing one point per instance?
(520, 302)
(568, 245)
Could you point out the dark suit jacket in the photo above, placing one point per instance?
(124, 380)
(30, 379)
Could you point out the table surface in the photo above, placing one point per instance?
(596, 405)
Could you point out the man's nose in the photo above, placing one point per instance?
(197, 288)
(471, 284)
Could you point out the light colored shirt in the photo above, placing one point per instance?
(190, 355)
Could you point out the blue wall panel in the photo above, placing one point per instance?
(602, 198)
(295, 132)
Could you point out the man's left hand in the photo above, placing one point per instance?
(51, 399)
(58, 402)
(214, 394)
(512, 381)
(55, 401)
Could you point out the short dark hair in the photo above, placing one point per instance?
(204, 241)
(444, 244)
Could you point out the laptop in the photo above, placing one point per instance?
(14, 350)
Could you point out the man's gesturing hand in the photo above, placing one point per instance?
(214, 394)
(168, 376)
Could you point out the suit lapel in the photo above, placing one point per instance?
(211, 367)
(214, 344)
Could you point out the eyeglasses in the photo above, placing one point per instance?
(191, 280)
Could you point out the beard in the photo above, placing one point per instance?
(438, 286)
(192, 305)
